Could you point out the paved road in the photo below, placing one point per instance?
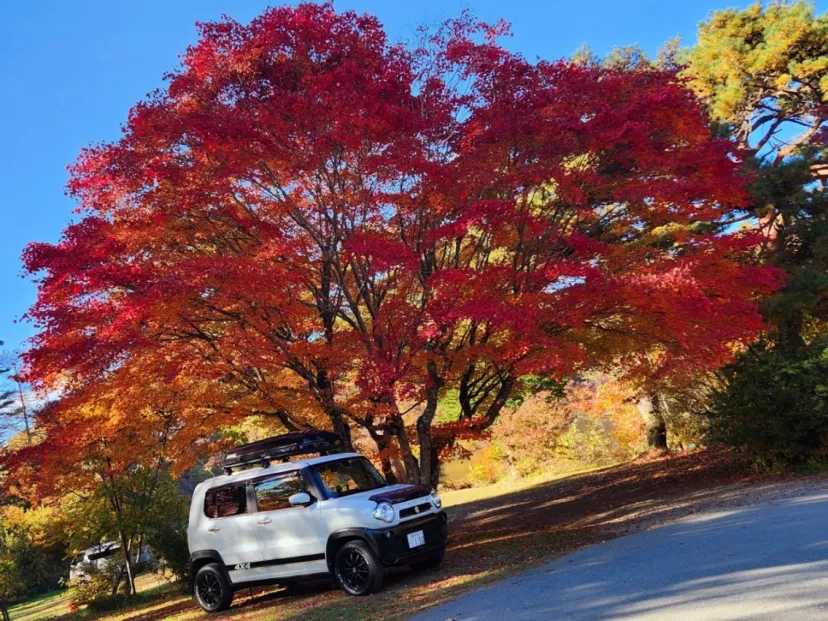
(768, 562)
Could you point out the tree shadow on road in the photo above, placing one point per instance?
(766, 562)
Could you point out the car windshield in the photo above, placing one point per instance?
(349, 476)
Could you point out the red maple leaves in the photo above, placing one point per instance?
(319, 222)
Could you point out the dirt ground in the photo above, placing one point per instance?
(509, 528)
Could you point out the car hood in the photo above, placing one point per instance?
(395, 494)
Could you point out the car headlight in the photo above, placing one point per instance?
(384, 512)
(435, 500)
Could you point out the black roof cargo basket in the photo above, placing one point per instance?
(282, 447)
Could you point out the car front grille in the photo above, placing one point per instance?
(420, 509)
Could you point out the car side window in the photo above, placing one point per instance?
(226, 501)
(273, 492)
(111, 551)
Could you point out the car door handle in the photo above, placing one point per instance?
(213, 529)
(264, 521)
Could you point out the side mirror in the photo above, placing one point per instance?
(301, 499)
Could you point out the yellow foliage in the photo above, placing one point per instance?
(488, 467)
(595, 423)
(41, 524)
(744, 56)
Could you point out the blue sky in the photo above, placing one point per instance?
(70, 71)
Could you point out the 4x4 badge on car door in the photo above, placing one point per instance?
(241, 566)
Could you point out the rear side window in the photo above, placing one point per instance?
(273, 493)
(225, 501)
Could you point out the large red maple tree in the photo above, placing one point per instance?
(313, 223)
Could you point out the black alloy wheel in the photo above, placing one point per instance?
(357, 568)
(211, 589)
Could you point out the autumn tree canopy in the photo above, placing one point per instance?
(312, 223)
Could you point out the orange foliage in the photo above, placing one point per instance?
(597, 421)
(313, 222)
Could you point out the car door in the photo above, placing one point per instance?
(229, 529)
(291, 540)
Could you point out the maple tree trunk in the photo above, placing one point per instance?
(657, 432)
(426, 465)
(657, 436)
(383, 442)
(502, 396)
(463, 393)
(432, 475)
(4, 610)
(429, 466)
(287, 421)
(383, 434)
(342, 428)
(429, 453)
(334, 413)
(412, 469)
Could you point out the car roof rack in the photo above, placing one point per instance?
(282, 448)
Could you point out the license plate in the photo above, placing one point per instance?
(416, 539)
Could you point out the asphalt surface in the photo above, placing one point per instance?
(767, 562)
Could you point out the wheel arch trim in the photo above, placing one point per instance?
(203, 557)
(339, 537)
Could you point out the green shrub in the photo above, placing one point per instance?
(169, 543)
(43, 569)
(774, 404)
(90, 588)
(11, 582)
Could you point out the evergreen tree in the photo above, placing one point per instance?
(763, 73)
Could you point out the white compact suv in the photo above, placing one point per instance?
(328, 515)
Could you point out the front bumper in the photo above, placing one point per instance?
(391, 544)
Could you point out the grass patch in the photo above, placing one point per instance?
(55, 605)
(39, 607)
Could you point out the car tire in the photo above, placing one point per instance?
(211, 589)
(432, 562)
(357, 569)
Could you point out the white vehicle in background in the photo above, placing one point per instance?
(330, 515)
(94, 558)
(98, 557)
